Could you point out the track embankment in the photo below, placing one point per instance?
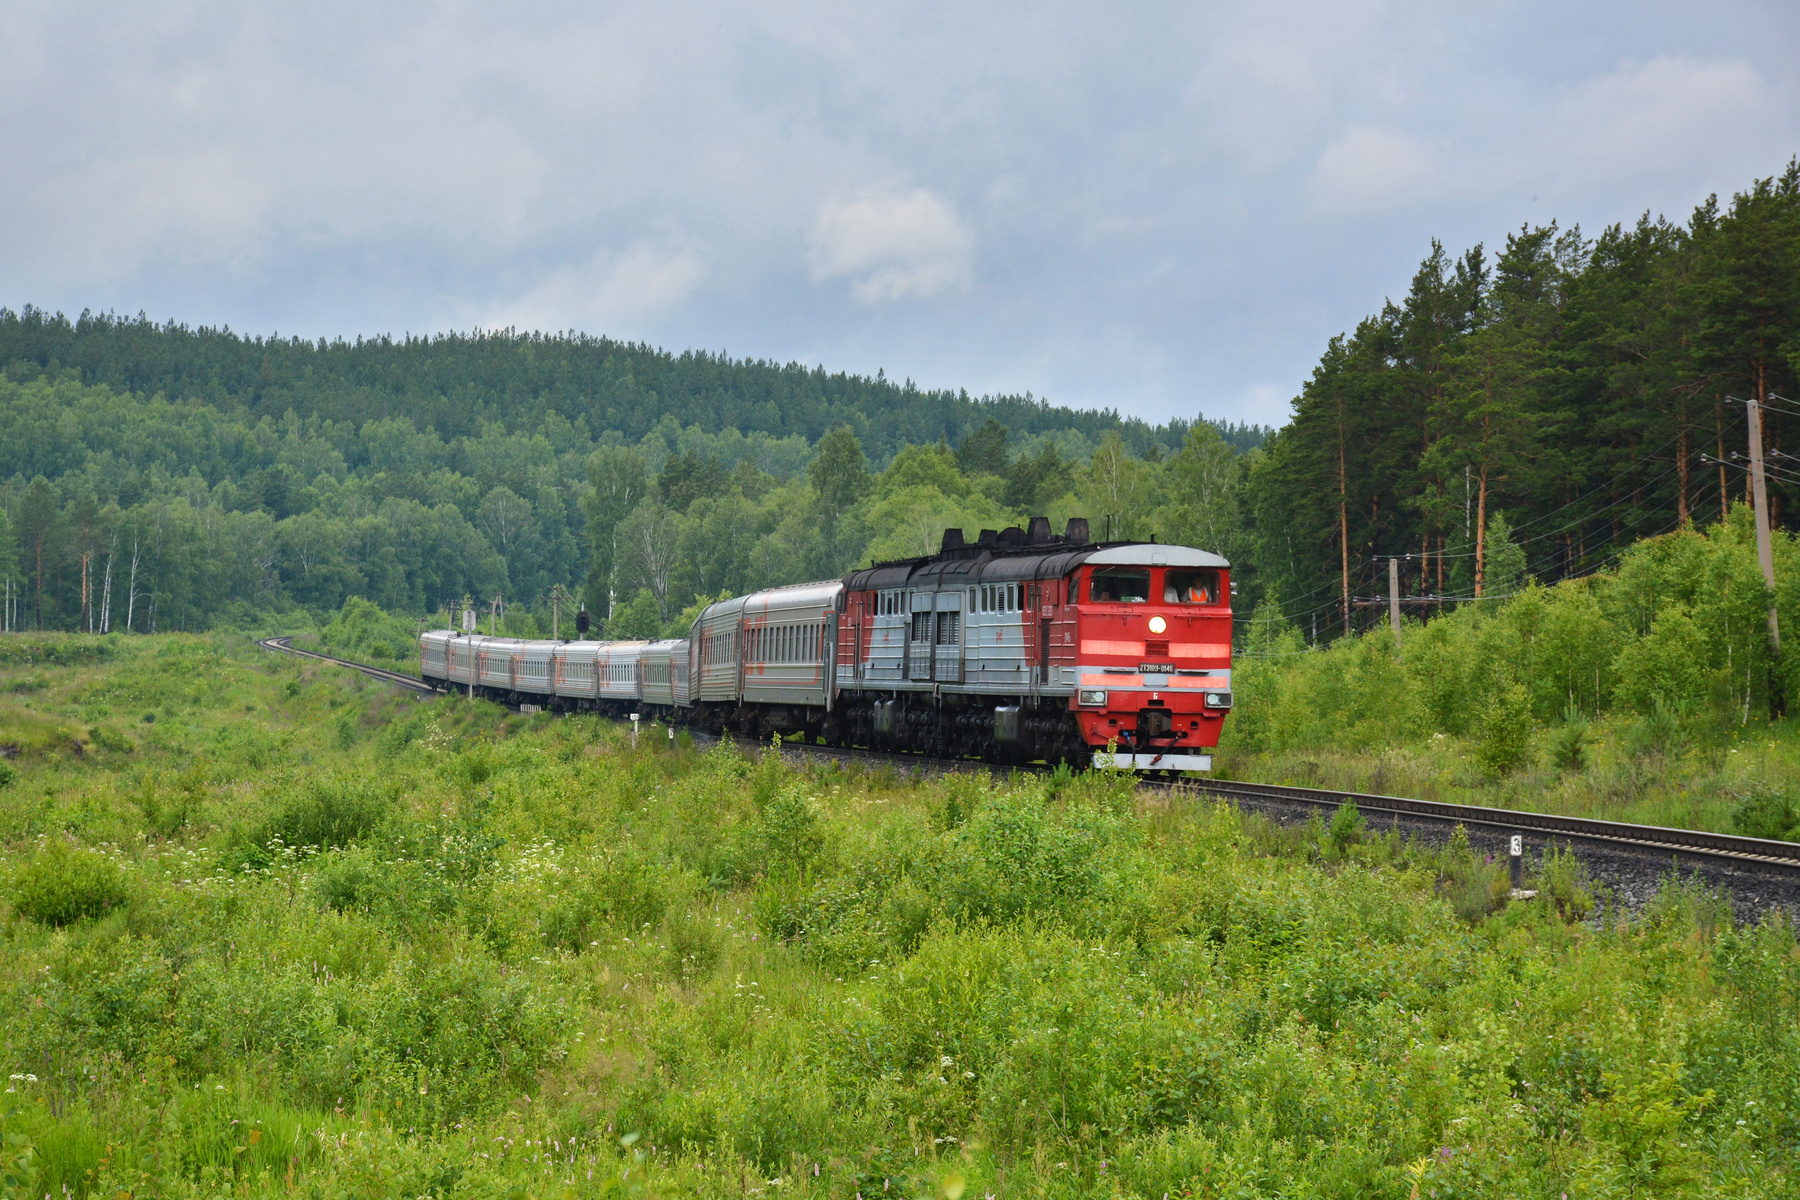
(1630, 859)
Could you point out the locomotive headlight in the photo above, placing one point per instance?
(1218, 699)
(1094, 696)
(1157, 624)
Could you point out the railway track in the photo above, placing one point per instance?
(1755, 855)
(1694, 845)
(284, 645)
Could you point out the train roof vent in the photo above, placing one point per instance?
(953, 540)
(989, 537)
(1012, 535)
(1038, 531)
(1078, 530)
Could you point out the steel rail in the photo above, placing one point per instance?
(1761, 853)
(284, 645)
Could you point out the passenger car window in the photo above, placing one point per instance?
(1190, 587)
(1119, 585)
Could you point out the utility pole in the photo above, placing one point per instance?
(1394, 602)
(558, 597)
(1765, 555)
(494, 607)
(468, 626)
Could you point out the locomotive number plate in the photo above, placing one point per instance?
(1156, 668)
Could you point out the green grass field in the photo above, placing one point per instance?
(270, 928)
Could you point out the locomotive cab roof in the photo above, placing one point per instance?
(1013, 554)
(1156, 554)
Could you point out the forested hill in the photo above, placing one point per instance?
(155, 477)
(1583, 389)
(457, 383)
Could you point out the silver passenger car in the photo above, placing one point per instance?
(656, 661)
(719, 634)
(790, 644)
(575, 674)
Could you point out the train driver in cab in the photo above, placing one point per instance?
(1190, 587)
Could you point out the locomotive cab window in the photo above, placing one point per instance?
(1119, 585)
(1190, 587)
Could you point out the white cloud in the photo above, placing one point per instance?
(1368, 168)
(892, 246)
(1263, 405)
(1662, 129)
(614, 293)
(1668, 117)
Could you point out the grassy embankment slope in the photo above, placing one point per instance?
(299, 933)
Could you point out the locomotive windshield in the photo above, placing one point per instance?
(1120, 585)
(1190, 587)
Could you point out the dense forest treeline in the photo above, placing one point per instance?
(1584, 387)
(457, 384)
(133, 511)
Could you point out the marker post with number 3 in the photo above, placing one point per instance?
(1516, 860)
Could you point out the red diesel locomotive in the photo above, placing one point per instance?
(1024, 645)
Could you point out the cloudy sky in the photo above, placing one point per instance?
(1165, 208)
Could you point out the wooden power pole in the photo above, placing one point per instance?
(1394, 601)
(1765, 555)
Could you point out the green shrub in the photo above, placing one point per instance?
(1505, 743)
(327, 812)
(1659, 731)
(361, 630)
(63, 883)
(1474, 886)
(1568, 746)
(1766, 811)
(18, 1156)
(346, 879)
(790, 831)
(8, 772)
(619, 889)
(691, 947)
(1667, 666)
(1347, 827)
(1563, 883)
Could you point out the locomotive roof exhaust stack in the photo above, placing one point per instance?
(1038, 531)
(1078, 531)
(953, 540)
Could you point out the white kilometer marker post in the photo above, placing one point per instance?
(1516, 861)
(634, 721)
